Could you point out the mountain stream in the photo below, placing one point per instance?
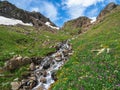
(44, 74)
(51, 64)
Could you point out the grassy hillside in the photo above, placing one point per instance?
(95, 64)
(24, 41)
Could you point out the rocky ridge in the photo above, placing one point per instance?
(106, 10)
(81, 23)
(11, 11)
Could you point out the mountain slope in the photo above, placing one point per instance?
(95, 64)
(11, 11)
(77, 25)
(25, 41)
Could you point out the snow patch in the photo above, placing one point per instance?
(11, 21)
(93, 19)
(48, 24)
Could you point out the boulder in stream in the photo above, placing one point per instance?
(32, 66)
(47, 63)
(54, 75)
(28, 84)
(43, 80)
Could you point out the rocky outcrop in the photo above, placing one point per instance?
(11, 11)
(80, 23)
(107, 10)
(16, 62)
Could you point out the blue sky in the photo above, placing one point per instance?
(60, 11)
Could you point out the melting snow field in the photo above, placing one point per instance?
(11, 21)
(93, 19)
(48, 24)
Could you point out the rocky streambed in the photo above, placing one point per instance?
(44, 74)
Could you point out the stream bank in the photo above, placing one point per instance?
(44, 74)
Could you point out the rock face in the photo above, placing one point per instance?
(106, 10)
(78, 23)
(11, 11)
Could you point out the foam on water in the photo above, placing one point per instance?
(53, 66)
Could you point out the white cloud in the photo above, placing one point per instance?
(83, 3)
(77, 8)
(35, 9)
(75, 12)
(49, 10)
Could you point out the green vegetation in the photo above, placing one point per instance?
(69, 29)
(24, 41)
(88, 68)
(95, 64)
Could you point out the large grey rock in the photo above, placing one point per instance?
(16, 62)
(15, 85)
(43, 80)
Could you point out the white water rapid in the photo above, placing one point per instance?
(51, 64)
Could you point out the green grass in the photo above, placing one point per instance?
(84, 70)
(17, 40)
(87, 70)
(24, 41)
